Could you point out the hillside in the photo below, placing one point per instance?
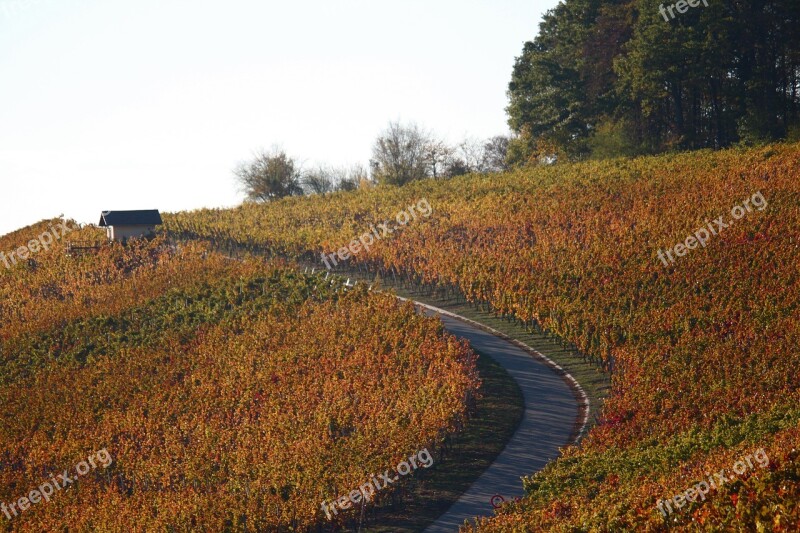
(701, 341)
(178, 389)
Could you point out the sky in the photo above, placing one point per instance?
(114, 104)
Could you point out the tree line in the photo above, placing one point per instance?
(401, 153)
(609, 78)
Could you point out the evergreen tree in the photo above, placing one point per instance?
(624, 77)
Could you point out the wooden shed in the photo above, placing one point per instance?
(123, 225)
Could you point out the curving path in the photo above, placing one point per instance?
(555, 414)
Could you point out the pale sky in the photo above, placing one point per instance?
(112, 104)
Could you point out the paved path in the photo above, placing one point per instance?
(554, 410)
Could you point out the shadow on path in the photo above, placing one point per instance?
(548, 423)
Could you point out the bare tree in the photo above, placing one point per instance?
(270, 175)
(457, 167)
(481, 157)
(350, 179)
(496, 154)
(328, 179)
(401, 154)
(319, 181)
(439, 156)
(472, 155)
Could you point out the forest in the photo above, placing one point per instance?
(614, 78)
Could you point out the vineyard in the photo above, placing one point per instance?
(231, 395)
(703, 352)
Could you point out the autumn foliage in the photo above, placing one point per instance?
(703, 352)
(232, 395)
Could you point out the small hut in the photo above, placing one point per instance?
(123, 225)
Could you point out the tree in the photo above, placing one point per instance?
(401, 154)
(440, 158)
(495, 154)
(319, 181)
(352, 178)
(269, 176)
(457, 167)
(621, 77)
(329, 179)
(476, 156)
(469, 157)
(347, 185)
(547, 93)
